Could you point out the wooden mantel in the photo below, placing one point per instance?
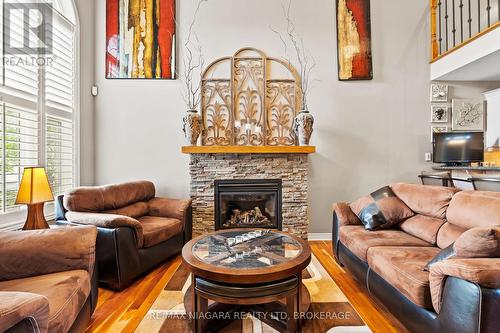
(248, 150)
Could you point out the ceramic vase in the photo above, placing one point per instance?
(303, 127)
(191, 127)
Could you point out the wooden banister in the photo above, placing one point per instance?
(434, 38)
(453, 24)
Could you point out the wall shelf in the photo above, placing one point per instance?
(248, 150)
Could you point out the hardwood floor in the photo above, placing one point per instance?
(123, 311)
(373, 313)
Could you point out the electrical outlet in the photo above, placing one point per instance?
(94, 91)
(428, 157)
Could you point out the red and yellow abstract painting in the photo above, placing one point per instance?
(354, 40)
(140, 39)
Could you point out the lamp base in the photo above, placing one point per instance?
(36, 218)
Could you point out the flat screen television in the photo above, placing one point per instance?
(457, 148)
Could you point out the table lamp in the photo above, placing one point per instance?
(34, 191)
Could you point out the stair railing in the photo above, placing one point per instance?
(455, 23)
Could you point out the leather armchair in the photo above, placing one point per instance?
(47, 280)
(136, 230)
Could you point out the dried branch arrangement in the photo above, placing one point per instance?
(306, 62)
(193, 61)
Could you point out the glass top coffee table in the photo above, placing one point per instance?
(246, 249)
(246, 270)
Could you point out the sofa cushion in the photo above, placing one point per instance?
(159, 229)
(431, 201)
(423, 227)
(359, 240)
(109, 197)
(381, 209)
(448, 234)
(479, 243)
(39, 252)
(470, 209)
(134, 210)
(402, 267)
(165, 207)
(66, 292)
(345, 215)
(23, 309)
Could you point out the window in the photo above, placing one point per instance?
(37, 103)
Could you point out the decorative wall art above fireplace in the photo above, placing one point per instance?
(249, 99)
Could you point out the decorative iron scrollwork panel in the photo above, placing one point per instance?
(281, 106)
(217, 113)
(248, 80)
(254, 106)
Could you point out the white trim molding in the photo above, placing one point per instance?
(11, 225)
(476, 61)
(493, 118)
(322, 236)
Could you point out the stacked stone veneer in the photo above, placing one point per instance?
(292, 169)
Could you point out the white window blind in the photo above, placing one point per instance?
(60, 153)
(20, 148)
(37, 105)
(59, 76)
(20, 77)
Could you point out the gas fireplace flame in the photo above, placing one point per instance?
(247, 217)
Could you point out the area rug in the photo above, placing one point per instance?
(330, 310)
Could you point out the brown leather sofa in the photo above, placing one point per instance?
(47, 280)
(458, 295)
(136, 230)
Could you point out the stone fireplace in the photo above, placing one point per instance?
(209, 171)
(249, 122)
(248, 203)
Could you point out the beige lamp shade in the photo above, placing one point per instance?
(34, 188)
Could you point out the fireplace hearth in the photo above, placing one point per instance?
(248, 204)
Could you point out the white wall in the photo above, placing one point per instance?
(493, 123)
(367, 133)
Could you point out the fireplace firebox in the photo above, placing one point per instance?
(248, 204)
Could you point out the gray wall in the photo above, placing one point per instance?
(86, 12)
(368, 133)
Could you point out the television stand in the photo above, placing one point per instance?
(456, 164)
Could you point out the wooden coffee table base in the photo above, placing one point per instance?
(212, 323)
(261, 275)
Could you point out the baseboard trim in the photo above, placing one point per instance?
(322, 236)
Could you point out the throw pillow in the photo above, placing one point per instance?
(474, 243)
(479, 243)
(446, 253)
(381, 209)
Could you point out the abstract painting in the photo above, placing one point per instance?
(467, 115)
(140, 39)
(354, 40)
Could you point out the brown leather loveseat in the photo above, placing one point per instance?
(136, 230)
(47, 280)
(460, 294)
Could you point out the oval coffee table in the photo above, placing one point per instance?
(261, 275)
